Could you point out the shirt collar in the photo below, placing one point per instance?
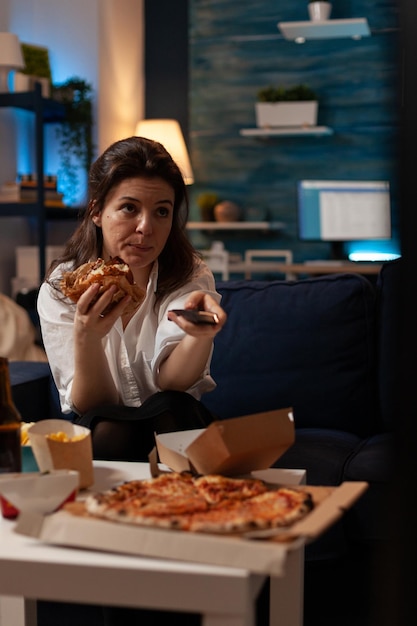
(153, 277)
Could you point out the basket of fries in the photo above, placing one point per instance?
(59, 444)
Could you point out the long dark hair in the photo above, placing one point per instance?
(130, 158)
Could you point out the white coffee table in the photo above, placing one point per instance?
(225, 596)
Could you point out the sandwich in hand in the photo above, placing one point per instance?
(107, 273)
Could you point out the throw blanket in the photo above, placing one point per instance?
(17, 333)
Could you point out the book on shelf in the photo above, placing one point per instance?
(9, 192)
(30, 181)
(15, 192)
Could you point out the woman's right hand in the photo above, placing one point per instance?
(89, 316)
(92, 383)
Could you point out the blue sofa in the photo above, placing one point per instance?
(328, 347)
(325, 346)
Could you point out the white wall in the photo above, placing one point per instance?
(100, 41)
(121, 69)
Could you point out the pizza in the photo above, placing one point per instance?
(211, 503)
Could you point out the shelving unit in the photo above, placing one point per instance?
(355, 28)
(265, 226)
(46, 111)
(290, 131)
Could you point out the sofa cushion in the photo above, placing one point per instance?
(309, 344)
(332, 457)
(323, 453)
(373, 462)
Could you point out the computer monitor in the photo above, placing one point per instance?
(340, 211)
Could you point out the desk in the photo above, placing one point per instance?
(300, 269)
(334, 268)
(225, 596)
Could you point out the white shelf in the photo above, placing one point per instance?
(356, 28)
(288, 131)
(235, 225)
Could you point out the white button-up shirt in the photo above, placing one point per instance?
(134, 353)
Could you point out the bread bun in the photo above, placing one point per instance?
(106, 273)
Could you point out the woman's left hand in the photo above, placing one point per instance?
(200, 301)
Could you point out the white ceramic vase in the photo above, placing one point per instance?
(25, 82)
(319, 11)
(227, 211)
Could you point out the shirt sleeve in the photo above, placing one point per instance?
(169, 334)
(56, 317)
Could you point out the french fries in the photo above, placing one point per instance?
(24, 436)
(58, 436)
(61, 436)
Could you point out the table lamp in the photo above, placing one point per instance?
(11, 58)
(168, 132)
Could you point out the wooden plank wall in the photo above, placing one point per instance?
(234, 49)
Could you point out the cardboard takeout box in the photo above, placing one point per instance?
(244, 445)
(73, 455)
(264, 553)
(229, 447)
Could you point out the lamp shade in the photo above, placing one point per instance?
(168, 133)
(10, 51)
(11, 57)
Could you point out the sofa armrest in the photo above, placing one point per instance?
(34, 392)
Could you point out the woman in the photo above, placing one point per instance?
(128, 374)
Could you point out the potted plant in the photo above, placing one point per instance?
(75, 132)
(286, 106)
(36, 69)
(206, 201)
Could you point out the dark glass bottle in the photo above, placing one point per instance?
(10, 422)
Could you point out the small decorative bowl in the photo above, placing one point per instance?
(37, 492)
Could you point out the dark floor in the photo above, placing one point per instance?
(62, 614)
(336, 596)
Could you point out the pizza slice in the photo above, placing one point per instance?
(216, 488)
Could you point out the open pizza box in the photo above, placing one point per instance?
(262, 552)
(238, 447)
(229, 447)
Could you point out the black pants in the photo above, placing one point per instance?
(121, 433)
(127, 434)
